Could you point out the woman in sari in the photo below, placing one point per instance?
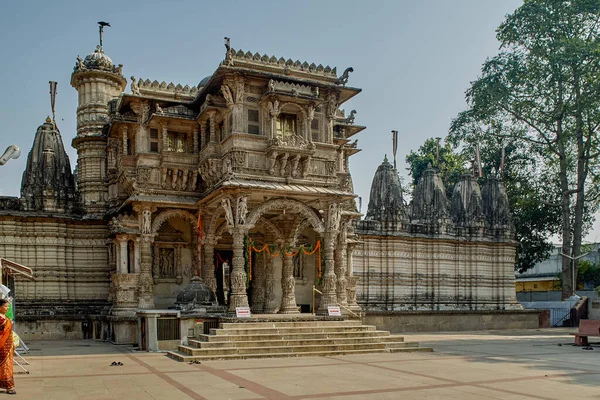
(7, 380)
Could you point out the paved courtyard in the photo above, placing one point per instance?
(532, 364)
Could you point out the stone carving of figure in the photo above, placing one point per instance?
(271, 85)
(342, 80)
(334, 217)
(227, 95)
(242, 210)
(80, 65)
(239, 90)
(228, 52)
(226, 204)
(135, 89)
(119, 69)
(146, 221)
(274, 109)
(159, 110)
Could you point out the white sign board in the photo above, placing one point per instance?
(242, 312)
(334, 311)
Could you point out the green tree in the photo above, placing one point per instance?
(543, 91)
(449, 164)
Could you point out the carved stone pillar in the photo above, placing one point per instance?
(165, 136)
(146, 283)
(269, 306)
(203, 138)
(288, 286)
(212, 125)
(122, 255)
(258, 283)
(239, 298)
(123, 132)
(136, 256)
(340, 274)
(195, 141)
(208, 270)
(329, 297)
(351, 279)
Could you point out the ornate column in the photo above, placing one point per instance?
(208, 270)
(122, 254)
(238, 298)
(340, 268)
(212, 125)
(269, 306)
(309, 118)
(136, 256)
(258, 283)
(329, 297)
(165, 136)
(273, 115)
(146, 283)
(288, 286)
(351, 279)
(233, 90)
(123, 132)
(195, 140)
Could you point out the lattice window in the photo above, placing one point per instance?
(154, 140)
(253, 122)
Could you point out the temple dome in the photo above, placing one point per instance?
(385, 201)
(195, 295)
(430, 204)
(495, 205)
(466, 207)
(204, 81)
(98, 60)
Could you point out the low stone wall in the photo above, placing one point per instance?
(446, 321)
(53, 329)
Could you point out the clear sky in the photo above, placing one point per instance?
(413, 59)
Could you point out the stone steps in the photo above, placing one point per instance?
(290, 336)
(247, 339)
(295, 342)
(185, 358)
(289, 330)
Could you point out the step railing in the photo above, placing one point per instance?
(314, 289)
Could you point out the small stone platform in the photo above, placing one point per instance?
(267, 336)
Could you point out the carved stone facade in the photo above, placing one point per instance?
(176, 181)
(439, 255)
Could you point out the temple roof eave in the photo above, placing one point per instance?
(272, 189)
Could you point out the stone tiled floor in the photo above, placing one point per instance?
(534, 364)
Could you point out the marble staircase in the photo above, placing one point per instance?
(291, 339)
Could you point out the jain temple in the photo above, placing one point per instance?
(236, 192)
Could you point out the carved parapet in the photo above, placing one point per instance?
(292, 89)
(179, 111)
(168, 91)
(281, 65)
(181, 179)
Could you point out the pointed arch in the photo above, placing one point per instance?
(290, 204)
(165, 215)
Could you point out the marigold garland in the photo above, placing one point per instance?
(287, 251)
